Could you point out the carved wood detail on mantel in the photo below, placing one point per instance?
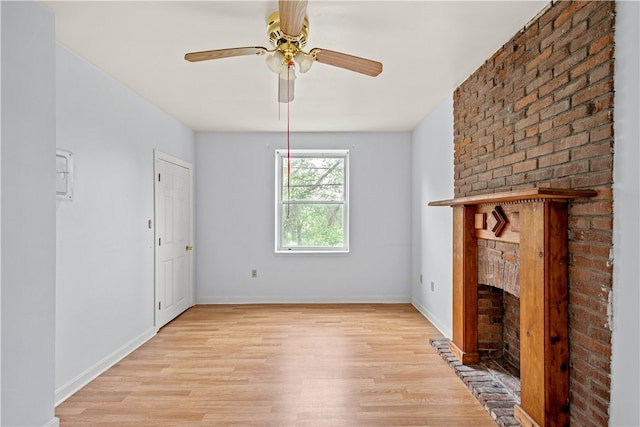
(536, 219)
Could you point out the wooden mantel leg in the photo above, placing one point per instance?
(465, 285)
(544, 349)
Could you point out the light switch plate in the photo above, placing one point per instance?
(64, 175)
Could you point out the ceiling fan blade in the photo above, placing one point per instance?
(349, 62)
(224, 53)
(292, 13)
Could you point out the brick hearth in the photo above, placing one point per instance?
(497, 391)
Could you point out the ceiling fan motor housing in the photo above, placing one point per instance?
(287, 44)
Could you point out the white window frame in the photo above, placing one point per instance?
(281, 156)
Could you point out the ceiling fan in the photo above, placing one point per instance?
(288, 29)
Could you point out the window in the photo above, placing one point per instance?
(312, 201)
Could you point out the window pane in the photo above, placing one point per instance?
(312, 225)
(316, 178)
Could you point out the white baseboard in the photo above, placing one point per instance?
(303, 300)
(67, 390)
(55, 422)
(432, 318)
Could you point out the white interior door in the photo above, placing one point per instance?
(173, 260)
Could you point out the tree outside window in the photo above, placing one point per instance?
(312, 201)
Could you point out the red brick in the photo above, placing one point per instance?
(579, 248)
(525, 101)
(591, 344)
(539, 105)
(493, 164)
(601, 251)
(555, 133)
(541, 57)
(603, 14)
(593, 91)
(576, 222)
(600, 133)
(525, 143)
(598, 236)
(504, 150)
(570, 35)
(540, 150)
(479, 186)
(550, 13)
(539, 175)
(514, 158)
(592, 150)
(568, 90)
(591, 122)
(499, 183)
(571, 115)
(525, 166)
(554, 109)
(572, 168)
(599, 362)
(592, 180)
(593, 374)
(602, 308)
(504, 171)
(555, 35)
(602, 223)
(575, 140)
(590, 263)
(488, 328)
(554, 159)
(575, 58)
(602, 391)
(601, 164)
(543, 77)
(553, 84)
(603, 42)
(567, 14)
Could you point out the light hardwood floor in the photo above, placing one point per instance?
(282, 365)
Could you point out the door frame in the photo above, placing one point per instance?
(159, 155)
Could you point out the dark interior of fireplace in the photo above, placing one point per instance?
(499, 306)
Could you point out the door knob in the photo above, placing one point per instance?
(188, 248)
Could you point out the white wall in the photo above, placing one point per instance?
(625, 381)
(235, 175)
(105, 290)
(0, 218)
(432, 179)
(28, 214)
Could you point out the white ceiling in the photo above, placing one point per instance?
(427, 47)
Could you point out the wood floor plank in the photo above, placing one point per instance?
(282, 365)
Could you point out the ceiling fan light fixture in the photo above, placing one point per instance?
(275, 62)
(288, 73)
(304, 61)
(285, 89)
(288, 29)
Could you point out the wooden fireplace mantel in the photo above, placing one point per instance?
(536, 219)
(518, 196)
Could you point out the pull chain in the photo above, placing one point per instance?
(289, 66)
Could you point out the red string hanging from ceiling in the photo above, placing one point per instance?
(289, 66)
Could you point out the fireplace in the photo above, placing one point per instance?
(499, 304)
(536, 221)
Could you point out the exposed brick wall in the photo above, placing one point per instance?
(490, 313)
(499, 265)
(499, 326)
(539, 112)
(511, 330)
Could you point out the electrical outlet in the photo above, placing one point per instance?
(433, 286)
(254, 273)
